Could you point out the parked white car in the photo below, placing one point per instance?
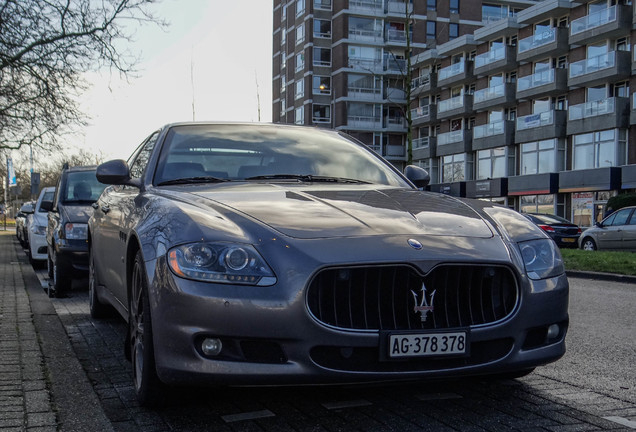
(36, 226)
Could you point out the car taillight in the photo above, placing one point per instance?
(546, 228)
(579, 231)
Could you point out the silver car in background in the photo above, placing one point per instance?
(616, 232)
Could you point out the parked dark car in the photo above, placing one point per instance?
(20, 222)
(616, 232)
(563, 232)
(248, 254)
(66, 233)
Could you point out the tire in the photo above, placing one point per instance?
(588, 244)
(97, 309)
(60, 281)
(145, 379)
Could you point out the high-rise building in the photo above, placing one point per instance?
(526, 103)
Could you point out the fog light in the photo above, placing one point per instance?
(211, 346)
(553, 331)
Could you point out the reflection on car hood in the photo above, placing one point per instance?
(341, 211)
(77, 213)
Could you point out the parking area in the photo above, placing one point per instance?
(536, 402)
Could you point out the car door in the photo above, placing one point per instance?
(611, 235)
(117, 214)
(629, 233)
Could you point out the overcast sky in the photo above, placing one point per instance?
(226, 44)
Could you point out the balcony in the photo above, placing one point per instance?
(424, 115)
(501, 59)
(457, 73)
(394, 66)
(399, 8)
(395, 124)
(541, 126)
(423, 84)
(424, 148)
(496, 134)
(393, 151)
(454, 142)
(501, 95)
(544, 10)
(605, 24)
(396, 37)
(364, 122)
(367, 7)
(550, 43)
(395, 95)
(455, 107)
(612, 66)
(366, 65)
(592, 116)
(366, 36)
(364, 94)
(322, 4)
(549, 82)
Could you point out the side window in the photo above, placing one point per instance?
(632, 221)
(141, 159)
(621, 217)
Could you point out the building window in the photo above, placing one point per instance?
(431, 5)
(299, 115)
(431, 29)
(454, 6)
(283, 83)
(541, 157)
(283, 106)
(300, 89)
(300, 7)
(321, 85)
(454, 168)
(491, 163)
(283, 61)
(321, 113)
(537, 204)
(322, 56)
(322, 28)
(300, 34)
(300, 62)
(322, 4)
(284, 13)
(283, 37)
(453, 30)
(599, 149)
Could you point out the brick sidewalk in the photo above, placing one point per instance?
(25, 397)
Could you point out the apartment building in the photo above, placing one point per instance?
(525, 103)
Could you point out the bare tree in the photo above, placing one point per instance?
(45, 47)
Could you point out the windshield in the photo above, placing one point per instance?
(268, 152)
(81, 186)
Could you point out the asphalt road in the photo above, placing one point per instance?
(592, 388)
(601, 342)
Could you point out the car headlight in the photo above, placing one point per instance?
(76, 231)
(221, 263)
(541, 258)
(38, 229)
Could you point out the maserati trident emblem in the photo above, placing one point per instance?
(424, 307)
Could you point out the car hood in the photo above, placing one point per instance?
(77, 213)
(343, 211)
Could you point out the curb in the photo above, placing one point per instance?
(78, 406)
(612, 277)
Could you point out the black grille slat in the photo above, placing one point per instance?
(381, 297)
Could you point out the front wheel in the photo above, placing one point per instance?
(588, 244)
(146, 381)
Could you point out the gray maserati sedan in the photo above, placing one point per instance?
(261, 254)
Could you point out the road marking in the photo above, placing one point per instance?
(622, 421)
(346, 404)
(253, 415)
(438, 396)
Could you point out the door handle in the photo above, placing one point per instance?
(95, 205)
(105, 209)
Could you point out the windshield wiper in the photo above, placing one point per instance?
(307, 178)
(187, 180)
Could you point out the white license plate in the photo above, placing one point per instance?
(427, 344)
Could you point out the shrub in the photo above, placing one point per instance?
(622, 200)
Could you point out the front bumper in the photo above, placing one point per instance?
(37, 245)
(271, 338)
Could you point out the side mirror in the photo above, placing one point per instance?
(115, 172)
(46, 205)
(599, 224)
(418, 176)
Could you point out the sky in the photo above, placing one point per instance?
(214, 53)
